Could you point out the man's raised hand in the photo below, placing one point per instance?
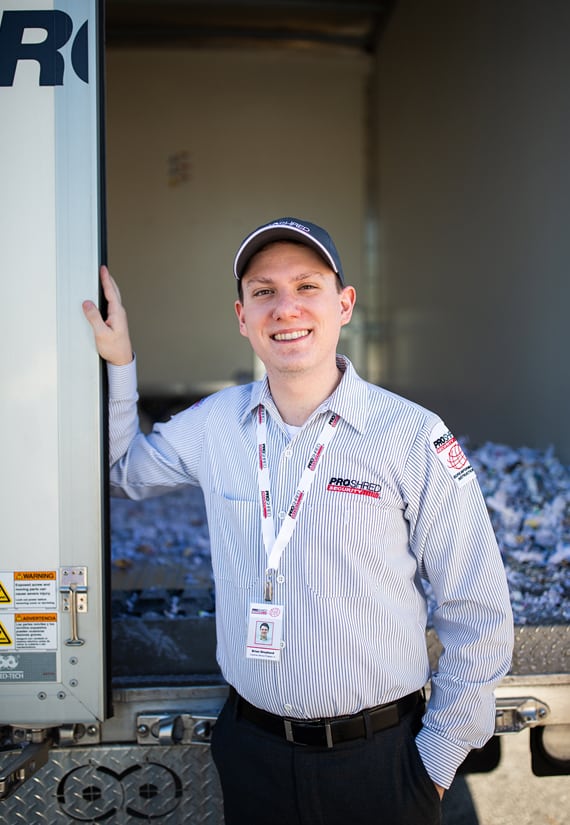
(112, 334)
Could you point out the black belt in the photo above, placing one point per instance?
(328, 732)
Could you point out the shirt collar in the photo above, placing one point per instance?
(349, 400)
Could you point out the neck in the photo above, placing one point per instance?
(296, 396)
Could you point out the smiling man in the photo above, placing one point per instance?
(328, 500)
(292, 309)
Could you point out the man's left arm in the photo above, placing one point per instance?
(456, 548)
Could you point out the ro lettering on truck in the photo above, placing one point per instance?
(15, 28)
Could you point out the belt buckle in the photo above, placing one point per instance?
(288, 725)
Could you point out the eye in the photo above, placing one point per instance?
(260, 293)
(308, 286)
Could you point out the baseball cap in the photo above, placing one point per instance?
(288, 229)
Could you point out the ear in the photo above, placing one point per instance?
(347, 301)
(240, 312)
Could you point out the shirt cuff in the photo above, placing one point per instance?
(441, 757)
(122, 381)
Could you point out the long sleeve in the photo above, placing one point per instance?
(456, 549)
(147, 465)
(123, 413)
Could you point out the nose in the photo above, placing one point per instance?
(286, 306)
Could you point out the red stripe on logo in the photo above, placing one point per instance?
(335, 488)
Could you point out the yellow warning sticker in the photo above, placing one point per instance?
(5, 639)
(35, 590)
(35, 575)
(35, 631)
(5, 597)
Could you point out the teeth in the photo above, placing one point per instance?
(290, 336)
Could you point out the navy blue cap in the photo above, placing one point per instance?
(288, 229)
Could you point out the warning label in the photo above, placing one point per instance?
(35, 589)
(28, 610)
(35, 631)
(28, 590)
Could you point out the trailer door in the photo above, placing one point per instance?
(52, 504)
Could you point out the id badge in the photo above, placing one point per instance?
(264, 631)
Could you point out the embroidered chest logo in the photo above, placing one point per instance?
(359, 488)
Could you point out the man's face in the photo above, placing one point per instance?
(292, 311)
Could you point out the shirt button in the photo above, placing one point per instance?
(280, 579)
(288, 453)
(282, 514)
(288, 708)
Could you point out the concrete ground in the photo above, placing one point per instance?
(509, 795)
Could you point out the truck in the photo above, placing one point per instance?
(109, 686)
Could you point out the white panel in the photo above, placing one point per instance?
(51, 509)
(28, 372)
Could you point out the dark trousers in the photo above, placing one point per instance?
(379, 780)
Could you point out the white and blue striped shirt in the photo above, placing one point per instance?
(385, 509)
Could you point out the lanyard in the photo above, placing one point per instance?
(275, 545)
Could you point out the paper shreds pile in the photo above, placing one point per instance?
(527, 492)
(161, 542)
(528, 495)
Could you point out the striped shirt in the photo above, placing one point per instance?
(394, 500)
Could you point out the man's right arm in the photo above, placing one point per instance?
(141, 465)
(113, 344)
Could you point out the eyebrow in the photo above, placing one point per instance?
(267, 279)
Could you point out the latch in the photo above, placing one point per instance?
(73, 587)
(22, 762)
(516, 714)
(72, 734)
(174, 729)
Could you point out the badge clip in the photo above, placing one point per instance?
(268, 588)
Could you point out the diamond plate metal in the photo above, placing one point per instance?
(542, 649)
(539, 649)
(120, 784)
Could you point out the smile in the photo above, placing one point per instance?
(290, 336)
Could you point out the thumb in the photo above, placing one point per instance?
(92, 314)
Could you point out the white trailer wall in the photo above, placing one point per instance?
(473, 185)
(53, 568)
(204, 146)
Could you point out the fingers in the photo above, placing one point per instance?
(110, 289)
(111, 293)
(112, 333)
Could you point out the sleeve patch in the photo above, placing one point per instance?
(448, 450)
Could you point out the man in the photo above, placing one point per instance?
(263, 633)
(328, 500)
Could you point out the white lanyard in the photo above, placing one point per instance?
(275, 545)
